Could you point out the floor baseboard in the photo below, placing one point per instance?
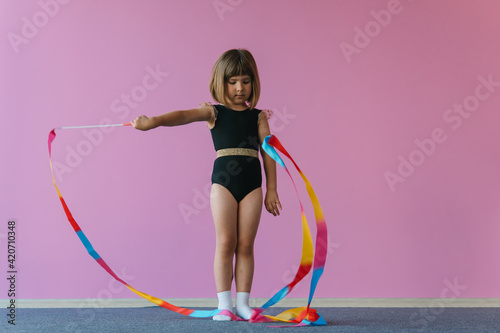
(256, 302)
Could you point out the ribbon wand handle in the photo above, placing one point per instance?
(92, 126)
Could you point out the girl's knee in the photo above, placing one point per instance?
(244, 248)
(226, 246)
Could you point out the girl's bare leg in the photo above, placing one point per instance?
(249, 212)
(225, 215)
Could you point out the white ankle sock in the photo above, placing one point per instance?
(242, 308)
(225, 303)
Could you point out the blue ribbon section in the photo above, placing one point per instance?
(87, 245)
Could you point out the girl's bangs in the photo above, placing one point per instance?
(237, 68)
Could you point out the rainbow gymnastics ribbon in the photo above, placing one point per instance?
(303, 316)
(90, 249)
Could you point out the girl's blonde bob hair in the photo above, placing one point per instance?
(235, 62)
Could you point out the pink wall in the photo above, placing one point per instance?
(409, 182)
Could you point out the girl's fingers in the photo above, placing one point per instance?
(269, 208)
(273, 208)
(139, 122)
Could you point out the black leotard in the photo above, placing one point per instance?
(236, 129)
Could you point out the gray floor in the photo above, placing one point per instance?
(155, 319)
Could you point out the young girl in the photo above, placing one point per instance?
(237, 130)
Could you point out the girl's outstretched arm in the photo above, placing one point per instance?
(176, 118)
(271, 201)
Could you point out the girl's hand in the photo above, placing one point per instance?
(272, 202)
(142, 123)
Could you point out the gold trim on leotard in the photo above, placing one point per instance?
(237, 151)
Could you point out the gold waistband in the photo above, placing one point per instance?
(237, 151)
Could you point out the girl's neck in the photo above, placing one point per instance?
(238, 107)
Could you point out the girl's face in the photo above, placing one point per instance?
(238, 91)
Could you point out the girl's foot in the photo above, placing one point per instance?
(243, 310)
(225, 303)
